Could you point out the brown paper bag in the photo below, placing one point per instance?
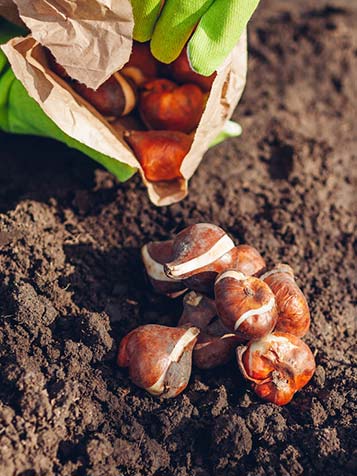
(77, 118)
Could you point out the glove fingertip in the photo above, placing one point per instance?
(161, 54)
(198, 63)
(141, 35)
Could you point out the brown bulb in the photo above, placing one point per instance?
(115, 97)
(165, 106)
(278, 366)
(159, 358)
(160, 153)
(246, 305)
(198, 310)
(215, 344)
(195, 248)
(293, 310)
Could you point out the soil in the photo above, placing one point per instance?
(72, 284)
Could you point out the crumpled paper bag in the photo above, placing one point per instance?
(66, 29)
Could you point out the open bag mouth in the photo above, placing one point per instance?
(80, 120)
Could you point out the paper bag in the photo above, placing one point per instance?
(77, 118)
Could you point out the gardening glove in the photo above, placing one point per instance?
(216, 26)
(20, 114)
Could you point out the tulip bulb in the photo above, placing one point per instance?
(195, 248)
(160, 153)
(246, 305)
(115, 97)
(212, 351)
(278, 365)
(293, 310)
(164, 105)
(159, 358)
(215, 344)
(198, 310)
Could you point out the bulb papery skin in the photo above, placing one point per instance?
(245, 305)
(159, 358)
(293, 310)
(278, 365)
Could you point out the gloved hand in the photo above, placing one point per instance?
(20, 114)
(220, 23)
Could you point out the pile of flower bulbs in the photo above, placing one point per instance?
(234, 306)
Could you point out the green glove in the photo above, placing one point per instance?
(220, 23)
(20, 114)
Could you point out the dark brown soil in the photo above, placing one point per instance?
(71, 281)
